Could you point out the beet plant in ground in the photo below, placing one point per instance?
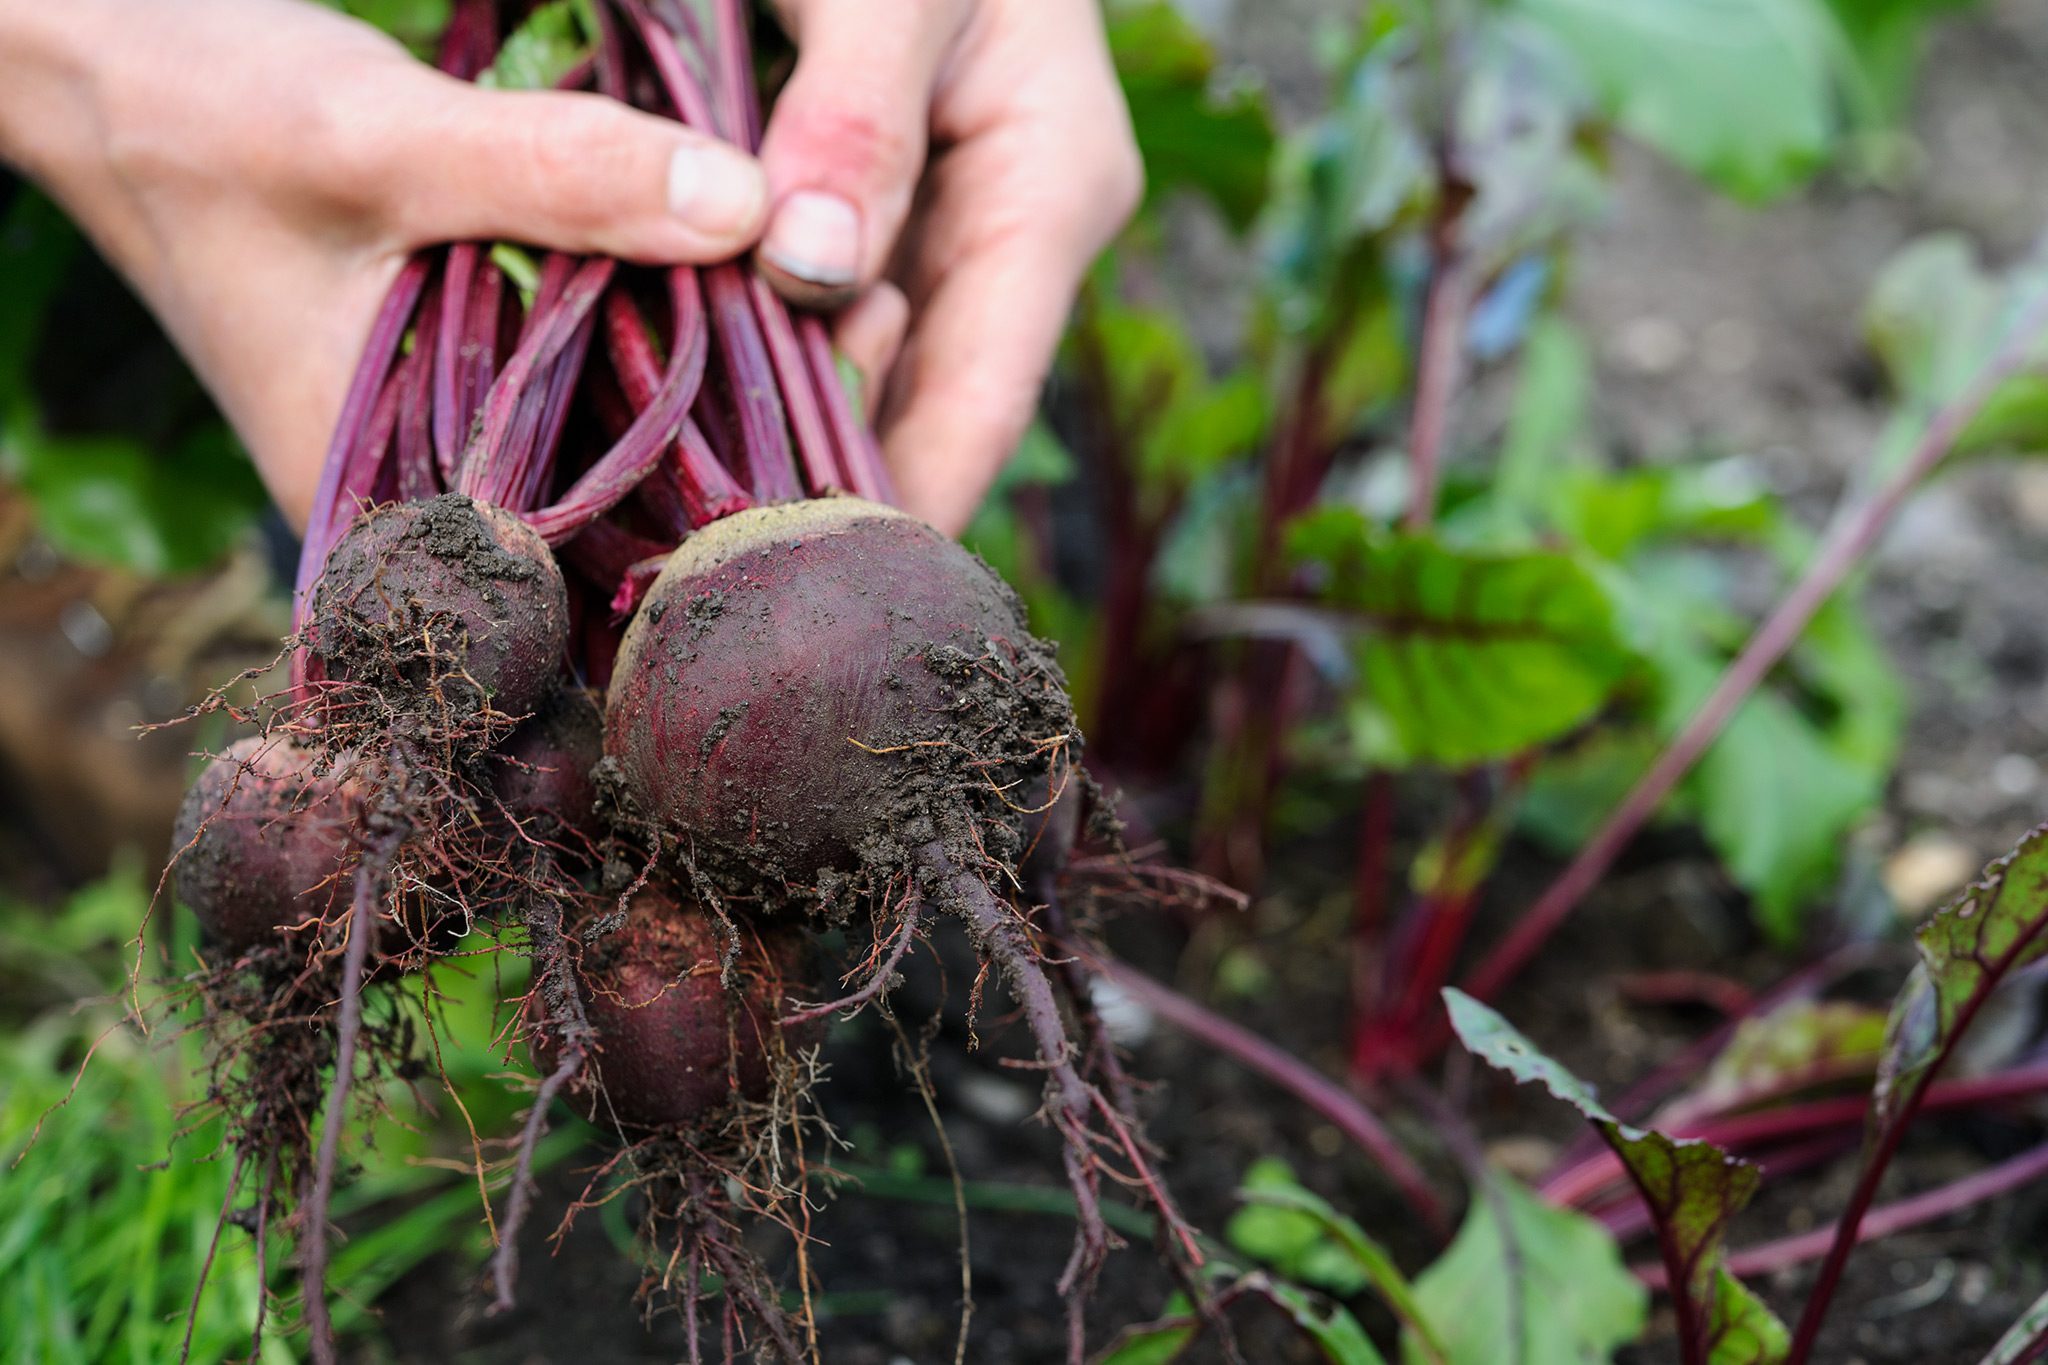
(562, 478)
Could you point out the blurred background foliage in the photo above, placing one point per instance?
(1218, 521)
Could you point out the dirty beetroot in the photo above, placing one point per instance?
(611, 652)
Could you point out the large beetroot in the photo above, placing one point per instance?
(828, 687)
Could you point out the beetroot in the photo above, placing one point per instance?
(829, 686)
(541, 774)
(678, 1036)
(263, 843)
(454, 601)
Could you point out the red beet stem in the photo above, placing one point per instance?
(692, 487)
(419, 476)
(457, 307)
(485, 476)
(750, 381)
(629, 461)
(799, 396)
(329, 514)
(860, 459)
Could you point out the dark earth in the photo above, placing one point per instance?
(1721, 329)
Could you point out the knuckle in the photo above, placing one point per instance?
(577, 154)
(864, 140)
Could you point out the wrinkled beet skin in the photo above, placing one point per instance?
(542, 772)
(752, 691)
(666, 1024)
(482, 578)
(262, 844)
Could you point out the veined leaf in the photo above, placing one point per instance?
(1995, 928)
(1184, 424)
(1463, 656)
(1691, 1188)
(1744, 1330)
(1796, 1047)
(1740, 92)
(1525, 1283)
(2028, 1339)
(1192, 134)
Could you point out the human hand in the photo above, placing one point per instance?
(979, 251)
(260, 169)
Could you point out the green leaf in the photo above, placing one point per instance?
(1192, 135)
(2026, 1341)
(1153, 1343)
(1885, 39)
(1545, 424)
(416, 23)
(1336, 1333)
(1744, 1330)
(1803, 759)
(1463, 657)
(1691, 1189)
(1184, 424)
(1740, 92)
(108, 500)
(1800, 1045)
(1935, 317)
(1995, 928)
(1296, 1231)
(547, 45)
(1525, 1282)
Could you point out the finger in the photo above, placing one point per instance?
(571, 172)
(846, 142)
(968, 382)
(870, 335)
(1014, 223)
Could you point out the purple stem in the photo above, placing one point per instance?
(860, 458)
(1846, 543)
(324, 525)
(419, 477)
(457, 304)
(622, 468)
(552, 414)
(1283, 1069)
(1573, 1186)
(814, 446)
(1634, 1103)
(735, 73)
(694, 474)
(2002, 1179)
(750, 380)
(485, 475)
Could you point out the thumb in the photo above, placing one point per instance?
(570, 172)
(845, 145)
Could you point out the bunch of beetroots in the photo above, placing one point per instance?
(610, 644)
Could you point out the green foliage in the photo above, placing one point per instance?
(1463, 656)
(1739, 92)
(1691, 1189)
(109, 1197)
(416, 23)
(1297, 1232)
(545, 47)
(105, 497)
(1994, 929)
(1526, 1282)
(1192, 135)
(1800, 1045)
(1934, 318)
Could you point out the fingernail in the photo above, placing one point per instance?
(815, 237)
(716, 189)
